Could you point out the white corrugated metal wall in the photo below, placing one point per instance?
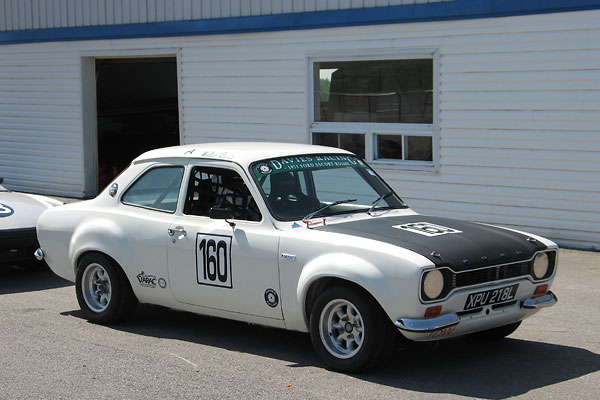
(519, 111)
(41, 141)
(38, 14)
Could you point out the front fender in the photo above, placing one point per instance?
(343, 266)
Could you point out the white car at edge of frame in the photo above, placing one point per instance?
(18, 217)
(301, 237)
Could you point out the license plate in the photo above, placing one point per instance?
(489, 297)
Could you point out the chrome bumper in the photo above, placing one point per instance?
(449, 320)
(547, 300)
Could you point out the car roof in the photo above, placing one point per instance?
(243, 153)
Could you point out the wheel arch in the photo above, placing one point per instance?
(97, 236)
(321, 284)
(341, 270)
(90, 252)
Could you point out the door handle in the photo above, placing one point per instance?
(177, 229)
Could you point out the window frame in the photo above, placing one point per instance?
(230, 167)
(142, 174)
(371, 130)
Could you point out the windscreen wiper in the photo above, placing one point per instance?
(374, 204)
(335, 203)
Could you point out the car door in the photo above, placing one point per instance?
(229, 265)
(147, 207)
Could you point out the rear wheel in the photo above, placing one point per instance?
(103, 290)
(495, 333)
(349, 331)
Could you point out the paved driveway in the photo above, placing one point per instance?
(49, 351)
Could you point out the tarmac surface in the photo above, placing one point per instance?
(49, 351)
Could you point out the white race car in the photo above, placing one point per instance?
(300, 237)
(18, 216)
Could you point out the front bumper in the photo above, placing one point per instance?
(17, 245)
(422, 329)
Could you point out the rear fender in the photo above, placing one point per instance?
(98, 234)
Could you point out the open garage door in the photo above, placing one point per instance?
(136, 108)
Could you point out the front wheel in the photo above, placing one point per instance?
(349, 331)
(103, 290)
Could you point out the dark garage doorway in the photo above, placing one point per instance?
(137, 110)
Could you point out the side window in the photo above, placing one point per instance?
(157, 189)
(221, 188)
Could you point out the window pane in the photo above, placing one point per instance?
(389, 146)
(419, 148)
(326, 139)
(221, 188)
(353, 143)
(157, 188)
(347, 141)
(381, 91)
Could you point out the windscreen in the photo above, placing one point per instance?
(306, 186)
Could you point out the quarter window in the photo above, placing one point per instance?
(157, 189)
(382, 109)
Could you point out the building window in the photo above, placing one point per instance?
(383, 109)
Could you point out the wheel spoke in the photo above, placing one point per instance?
(349, 343)
(351, 312)
(100, 275)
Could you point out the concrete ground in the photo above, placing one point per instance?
(48, 350)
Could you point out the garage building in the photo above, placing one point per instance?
(481, 110)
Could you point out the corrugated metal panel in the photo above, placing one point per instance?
(39, 14)
(519, 110)
(40, 121)
(519, 113)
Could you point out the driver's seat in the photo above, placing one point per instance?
(287, 198)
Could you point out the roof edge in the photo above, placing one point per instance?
(438, 11)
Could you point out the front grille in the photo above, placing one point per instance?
(490, 274)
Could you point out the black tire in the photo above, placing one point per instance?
(377, 338)
(113, 299)
(493, 334)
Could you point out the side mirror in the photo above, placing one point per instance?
(220, 213)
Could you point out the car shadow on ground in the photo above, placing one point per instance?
(16, 279)
(458, 366)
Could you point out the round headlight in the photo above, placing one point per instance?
(540, 265)
(433, 284)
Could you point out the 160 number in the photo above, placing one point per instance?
(213, 261)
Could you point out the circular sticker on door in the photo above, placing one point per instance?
(271, 298)
(6, 211)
